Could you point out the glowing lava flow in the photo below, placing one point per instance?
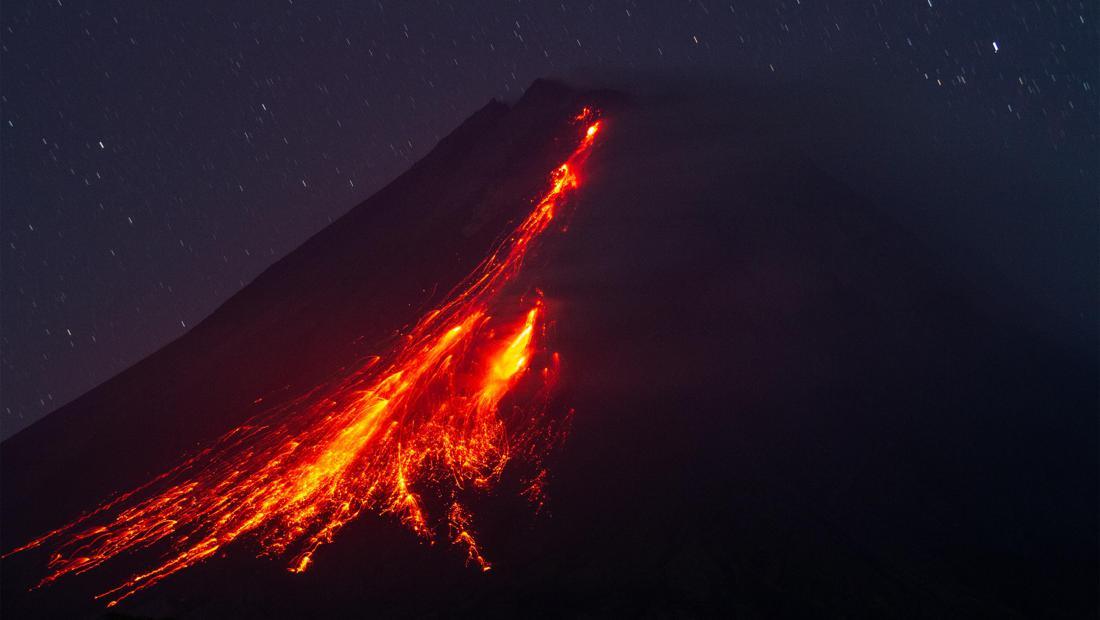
(429, 416)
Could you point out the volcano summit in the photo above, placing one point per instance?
(594, 354)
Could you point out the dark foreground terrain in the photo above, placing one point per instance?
(789, 403)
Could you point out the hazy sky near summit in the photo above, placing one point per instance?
(156, 158)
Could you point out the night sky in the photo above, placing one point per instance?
(156, 158)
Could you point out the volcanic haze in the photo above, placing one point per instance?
(778, 401)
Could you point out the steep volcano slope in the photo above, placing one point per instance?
(783, 408)
(343, 295)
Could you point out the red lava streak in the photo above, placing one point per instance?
(425, 420)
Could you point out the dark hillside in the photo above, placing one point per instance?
(785, 405)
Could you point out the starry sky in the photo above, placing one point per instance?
(157, 157)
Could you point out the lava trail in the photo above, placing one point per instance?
(463, 393)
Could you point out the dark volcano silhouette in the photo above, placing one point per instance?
(783, 406)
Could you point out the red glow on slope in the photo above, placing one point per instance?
(428, 415)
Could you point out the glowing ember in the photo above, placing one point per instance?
(428, 415)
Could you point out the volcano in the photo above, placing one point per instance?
(595, 354)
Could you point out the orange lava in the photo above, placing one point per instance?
(462, 395)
